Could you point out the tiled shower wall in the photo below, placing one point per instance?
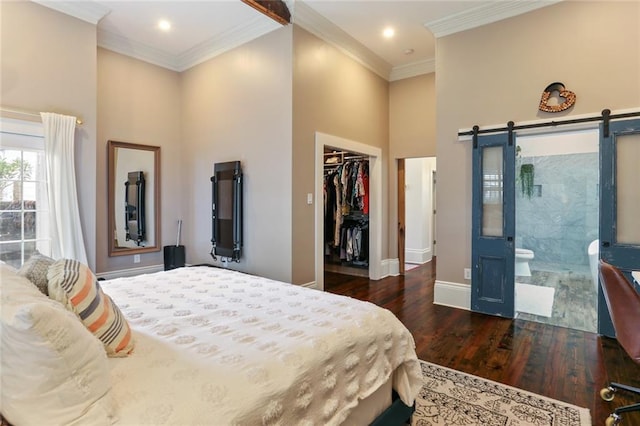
(561, 218)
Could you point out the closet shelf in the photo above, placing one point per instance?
(338, 158)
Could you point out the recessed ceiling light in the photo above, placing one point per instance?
(164, 25)
(388, 32)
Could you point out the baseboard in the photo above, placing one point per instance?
(419, 256)
(389, 267)
(311, 284)
(130, 272)
(454, 295)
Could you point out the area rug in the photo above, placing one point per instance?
(534, 299)
(450, 397)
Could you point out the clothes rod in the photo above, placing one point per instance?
(553, 123)
(33, 116)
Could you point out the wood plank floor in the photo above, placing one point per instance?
(568, 365)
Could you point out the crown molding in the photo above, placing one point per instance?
(194, 56)
(307, 18)
(226, 41)
(321, 27)
(120, 44)
(88, 11)
(413, 69)
(483, 15)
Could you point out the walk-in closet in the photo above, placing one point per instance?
(346, 212)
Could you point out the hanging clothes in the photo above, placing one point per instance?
(338, 211)
(365, 197)
(344, 180)
(330, 208)
(346, 188)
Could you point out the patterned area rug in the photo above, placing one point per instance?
(450, 397)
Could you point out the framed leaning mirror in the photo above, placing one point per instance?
(134, 198)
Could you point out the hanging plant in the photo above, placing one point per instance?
(526, 179)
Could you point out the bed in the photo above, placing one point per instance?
(219, 347)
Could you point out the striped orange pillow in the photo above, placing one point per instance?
(74, 285)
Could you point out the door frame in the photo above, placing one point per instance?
(430, 213)
(434, 215)
(401, 214)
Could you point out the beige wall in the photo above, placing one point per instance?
(335, 95)
(412, 134)
(49, 64)
(139, 103)
(412, 117)
(237, 106)
(240, 106)
(497, 73)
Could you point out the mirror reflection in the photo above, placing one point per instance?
(133, 198)
(134, 208)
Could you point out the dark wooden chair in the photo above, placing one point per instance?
(623, 302)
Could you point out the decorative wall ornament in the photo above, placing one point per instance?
(569, 98)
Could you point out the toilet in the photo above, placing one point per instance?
(523, 256)
(594, 254)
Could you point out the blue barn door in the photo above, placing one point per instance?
(619, 204)
(493, 225)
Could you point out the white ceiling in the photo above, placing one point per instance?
(203, 29)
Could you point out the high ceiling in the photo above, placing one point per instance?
(202, 29)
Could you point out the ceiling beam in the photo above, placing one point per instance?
(274, 9)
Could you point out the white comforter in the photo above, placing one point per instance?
(218, 347)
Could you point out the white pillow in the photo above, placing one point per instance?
(54, 371)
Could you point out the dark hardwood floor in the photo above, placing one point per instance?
(568, 365)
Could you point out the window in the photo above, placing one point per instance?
(24, 216)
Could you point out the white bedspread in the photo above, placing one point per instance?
(218, 347)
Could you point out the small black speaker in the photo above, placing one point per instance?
(173, 257)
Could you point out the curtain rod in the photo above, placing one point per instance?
(606, 116)
(34, 116)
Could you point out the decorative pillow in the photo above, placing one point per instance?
(35, 269)
(74, 285)
(53, 370)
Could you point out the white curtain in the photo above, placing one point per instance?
(64, 214)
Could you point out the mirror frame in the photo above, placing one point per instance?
(152, 210)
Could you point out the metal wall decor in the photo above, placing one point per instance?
(226, 208)
(568, 97)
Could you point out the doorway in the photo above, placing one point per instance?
(493, 217)
(346, 212)
(557, 205)
(374, 154)
(419, 211)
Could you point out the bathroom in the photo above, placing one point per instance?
(557, 200)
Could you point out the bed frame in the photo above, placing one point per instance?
(398, 413)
